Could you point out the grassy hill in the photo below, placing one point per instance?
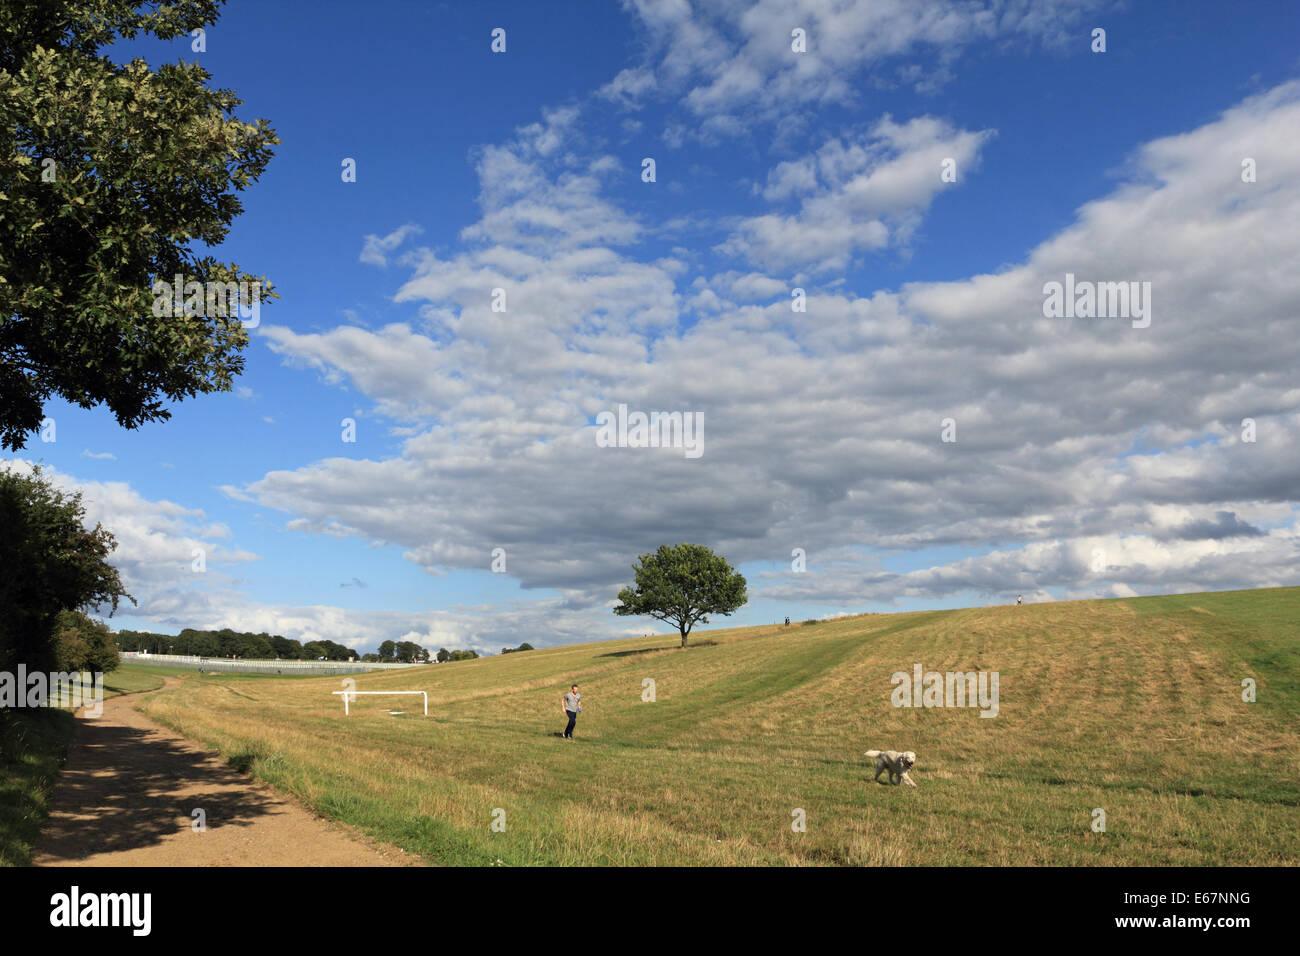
(1132, 706)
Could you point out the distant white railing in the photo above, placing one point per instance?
(242, 666)
(348, 694)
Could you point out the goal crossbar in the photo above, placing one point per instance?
(385, 693)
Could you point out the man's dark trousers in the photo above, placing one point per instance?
(568, 731)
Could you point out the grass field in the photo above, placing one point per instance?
(128, 679)
(1132, 706)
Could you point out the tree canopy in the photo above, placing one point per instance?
(83, 644)
(110, 176)
(407, 652)
(52, 563)
(683, 584)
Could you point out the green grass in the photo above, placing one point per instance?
(1132, 706)
(129, 679)
(33, 745)
(159, 672)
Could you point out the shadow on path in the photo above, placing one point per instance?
(129, 789)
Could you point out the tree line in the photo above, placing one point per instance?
(263, 646)
(230, 643)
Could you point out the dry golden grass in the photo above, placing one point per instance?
(1130, 706)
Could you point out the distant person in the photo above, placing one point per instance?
(572, 708)
(787, 622)
(1019, 600)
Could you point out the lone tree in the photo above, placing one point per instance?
(108, 175)
(682, 584)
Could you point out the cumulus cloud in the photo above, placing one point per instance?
(824, 429)
(855, 194)
(732, 65)
(157, 541)
(376, 249)
(1086, 567)
(544, 252)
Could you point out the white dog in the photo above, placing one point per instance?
(898, 764)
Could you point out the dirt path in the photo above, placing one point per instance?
(127, 792)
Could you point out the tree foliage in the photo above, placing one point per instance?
(110, 175)
(51, 563)
(683, 584)
(410, 652)
(83, 644)
(263, 646)
(407, 652)
(231, 643)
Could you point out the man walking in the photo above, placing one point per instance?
(572, 703)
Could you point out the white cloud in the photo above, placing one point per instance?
(823, 428)
(728, 61)
(376, 249)
(856, 194)
(156, 541)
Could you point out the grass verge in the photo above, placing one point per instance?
(33, 745)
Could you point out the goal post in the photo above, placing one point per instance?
(348, 694)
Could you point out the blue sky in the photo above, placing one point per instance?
(775, 170)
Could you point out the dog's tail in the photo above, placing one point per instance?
(872, 753)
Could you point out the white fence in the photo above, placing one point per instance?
(229, 665)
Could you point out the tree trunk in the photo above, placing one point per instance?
(685, 632)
